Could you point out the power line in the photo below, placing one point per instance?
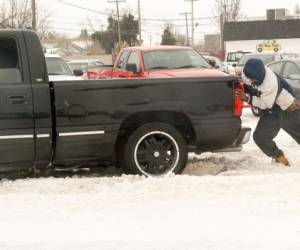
(157, 25)
(143, 19)
(84, 8)
(178, 19)
(90, 30)
(152, 33)
(77, 24)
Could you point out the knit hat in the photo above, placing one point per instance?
(255, 70)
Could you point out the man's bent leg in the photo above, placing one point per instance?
(266, 130)
(291, 124)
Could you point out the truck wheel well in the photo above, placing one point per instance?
(178, 120)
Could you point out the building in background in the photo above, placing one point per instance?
(279, 32)
(277, 14)
(212, 42)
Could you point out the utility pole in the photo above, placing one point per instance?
(187, 27)
(193, 27)
(118, 16)
(140, 22)
(223, 19)
(33, 8)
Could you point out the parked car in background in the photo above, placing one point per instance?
(163, 61)
(232, 58)
(85, 65)
(216, 63)
(289, 55)
(58, 70)
(290, 71)
(265, 57)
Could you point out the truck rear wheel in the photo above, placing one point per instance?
(155, 149)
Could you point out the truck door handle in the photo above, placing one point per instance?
(17, 100)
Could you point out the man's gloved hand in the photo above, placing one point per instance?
(252, 91)
(240, 94)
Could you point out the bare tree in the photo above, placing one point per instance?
(18, 14)
(230, 9)
(181, 39)
(43, 23)
(227, 11)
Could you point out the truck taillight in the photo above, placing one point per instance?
(238, 103)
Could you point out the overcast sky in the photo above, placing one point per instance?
(67, 19)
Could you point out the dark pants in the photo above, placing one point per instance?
(268, 127)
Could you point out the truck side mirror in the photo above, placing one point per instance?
(212, 63)
(132, 67)
(77, 72)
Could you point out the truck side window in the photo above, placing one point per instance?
(122, 61)
(134, 59)
(9, 61)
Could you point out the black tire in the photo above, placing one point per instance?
(276, 49)
(259, 49)
(256, 111)
(154, 149)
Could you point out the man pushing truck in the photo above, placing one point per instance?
(280, 109)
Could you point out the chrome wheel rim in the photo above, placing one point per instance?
(156, 153)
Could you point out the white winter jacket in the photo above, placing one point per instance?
(269, 91)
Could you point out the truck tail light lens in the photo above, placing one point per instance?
(238, 103)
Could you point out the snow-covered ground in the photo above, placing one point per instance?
(222, 201)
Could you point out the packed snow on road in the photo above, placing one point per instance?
(222, 201)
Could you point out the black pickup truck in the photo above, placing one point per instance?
(146, 126)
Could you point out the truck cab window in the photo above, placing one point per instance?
(9, 61)
(134, 59)
(122, 60)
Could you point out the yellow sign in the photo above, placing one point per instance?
(268, 45)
